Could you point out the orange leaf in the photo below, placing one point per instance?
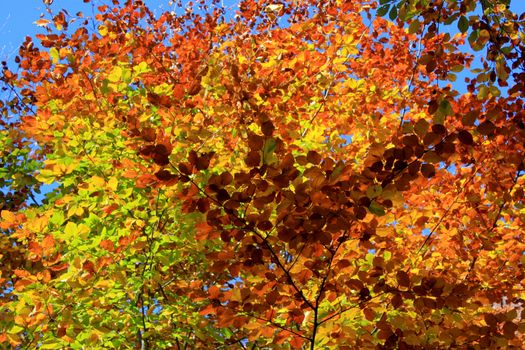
(21, 284)
(47, 243)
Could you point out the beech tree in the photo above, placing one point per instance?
(270, 174)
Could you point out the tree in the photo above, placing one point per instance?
(286, 174)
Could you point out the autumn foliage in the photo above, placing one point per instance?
(277, 174)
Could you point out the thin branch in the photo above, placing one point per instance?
(323, 102)
(321, 290)
(297, 257)
(411, 80)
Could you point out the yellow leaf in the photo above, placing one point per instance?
(20, 320)
(96, 183)
(103, 30)
(115, 74)
(8, 216)
(53, 52)
(38, 224)
(64, 169)
(273, 8)
(104, 284)
(112, 184)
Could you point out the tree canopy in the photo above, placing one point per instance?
(343, 174)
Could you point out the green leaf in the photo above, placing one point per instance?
(387, 255)
(71, 229)
(483, 92)
(414, 26)
(444, 110)
(142, 67)
(393, 13)
(451, 77)
(15, 329)
(373, 191)
(463, 24)
(53, 52)
(269, 147)
(457, 68)
(376, 208)
(383, 10)
(494, 91)
(53, 345)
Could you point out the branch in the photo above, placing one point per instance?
(321, 289)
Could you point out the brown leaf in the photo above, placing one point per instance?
(509, 329)
(411, 140)
(185, 168)
(428, 170)
(203, 204)
(403, 279)
(486, 128)
(313, 157)
(439, 129)
(465, 137)
(267, 128)
(165, 175)
(253, 159)
(149, 134)
(397, 300)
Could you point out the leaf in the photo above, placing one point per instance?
(403, 279)
(15, 329)
(103, 30)
(47, 243)
(486, 128)
(444, 110)
(273, 8)
(269, 147)
(8, 216)
(54, 55)
(374, 191)
(428, 170)
(42, 22)
(465, 137)
(20, 285)
(421, 127)
(383, 10)
(463, 24)
(414, 26)
(376, 208)
(71, 229)
(115, 75)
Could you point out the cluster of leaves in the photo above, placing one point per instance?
(296, 175)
